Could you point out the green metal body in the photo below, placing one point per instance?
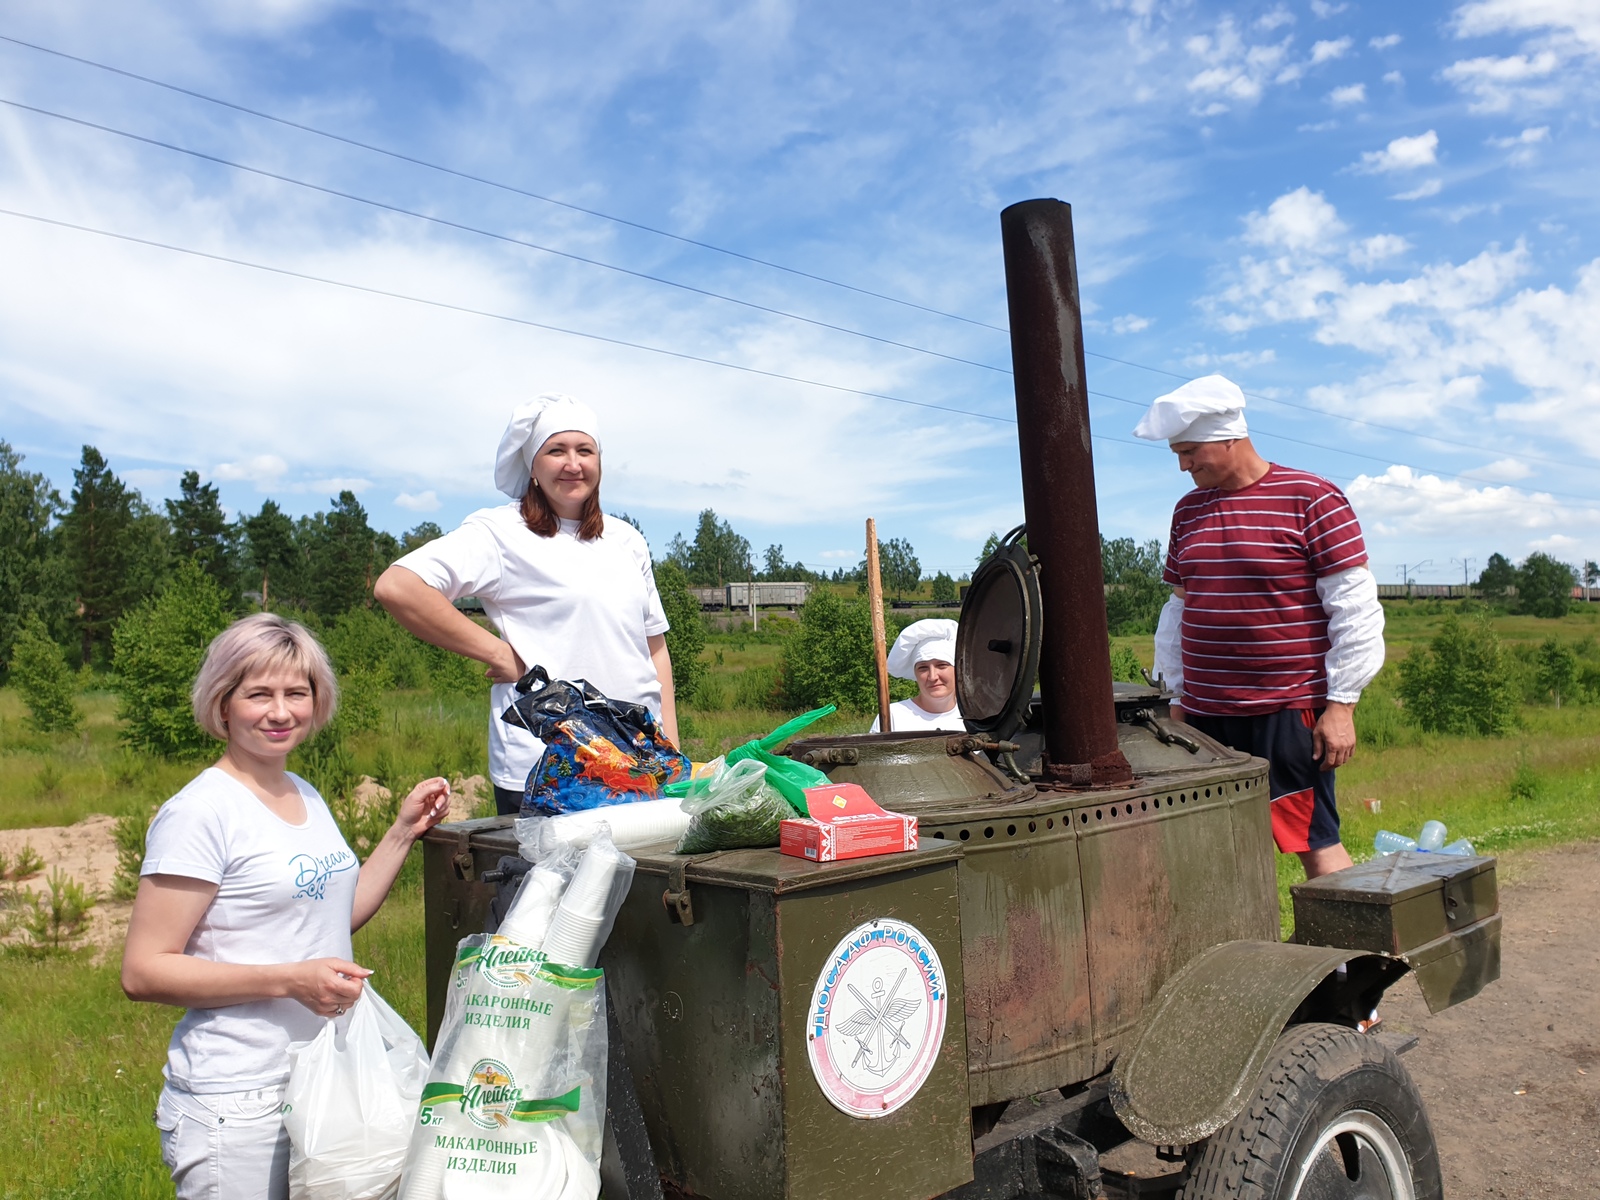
(714, 1016)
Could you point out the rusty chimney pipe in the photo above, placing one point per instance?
(1080, 722)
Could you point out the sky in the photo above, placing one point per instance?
(762, 240)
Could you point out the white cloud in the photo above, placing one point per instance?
(1385, 42)
(1324, 9)
(1527, 137)
(1379, 248)
(1403, 154)
(1318, 126)
(1354, 93)
(1495, 83)
(1502, 470)
(1576, 20)
(1275, 19)
(1236, 70)
(1243, 359)
(1328, 51)
(427, 501)
(1130, 323)
(1452, 338)
(1403, 501)
(1428, 187)
(1301, 220)
(1557, 543)
(1394, 78)
(263, 470)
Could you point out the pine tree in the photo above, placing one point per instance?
(115, 550)
(270, 552)
(200, 528)
(32, 577)
(341, 558)
(717, 555)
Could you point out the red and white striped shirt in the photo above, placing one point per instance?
(1255, 636)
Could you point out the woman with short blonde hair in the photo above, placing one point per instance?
(247, 899)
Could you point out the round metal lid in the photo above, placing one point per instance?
(997, 644)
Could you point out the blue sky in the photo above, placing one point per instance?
(1380, 220)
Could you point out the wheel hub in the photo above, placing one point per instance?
(1355, 1157)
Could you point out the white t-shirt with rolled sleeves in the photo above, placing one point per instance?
(580, 610)
(284, 894)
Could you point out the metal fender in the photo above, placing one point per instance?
(1193, 1061)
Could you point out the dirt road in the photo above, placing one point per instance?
(1512, 1078)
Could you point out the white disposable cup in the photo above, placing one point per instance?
(630, 824)
(590, 889)
(533, 909)
(574, 938)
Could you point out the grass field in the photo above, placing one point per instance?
(82, 1064)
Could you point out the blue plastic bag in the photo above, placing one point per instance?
(597, 751)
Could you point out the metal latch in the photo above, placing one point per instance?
(462, 858)
(1147, 718)
(966, 743)
(680, 910)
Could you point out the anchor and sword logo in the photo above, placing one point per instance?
(878, 1027)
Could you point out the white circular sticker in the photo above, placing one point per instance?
(877, 1018)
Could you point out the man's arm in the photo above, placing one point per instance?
(1168, 666)
(1355, 656)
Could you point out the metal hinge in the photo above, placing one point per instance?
(680, 910)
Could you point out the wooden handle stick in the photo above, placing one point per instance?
(880, 650)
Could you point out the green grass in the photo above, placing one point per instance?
(82, 1064)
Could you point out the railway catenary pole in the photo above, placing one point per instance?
(1058, 493)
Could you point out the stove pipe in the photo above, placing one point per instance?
(1080, 722)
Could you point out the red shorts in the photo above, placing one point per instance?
(1304, 814)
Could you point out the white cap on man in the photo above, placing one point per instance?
(930, 640)
(531, 426)
(1208, 409)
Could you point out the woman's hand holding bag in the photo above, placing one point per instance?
(350, 1104)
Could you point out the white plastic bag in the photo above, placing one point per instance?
(351, 1101)
(515, 1100)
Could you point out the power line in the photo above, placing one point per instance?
(512, 188)
(678, 354)
(486, 233)
(493, 183)
(479, 312)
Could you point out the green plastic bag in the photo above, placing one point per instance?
(789, 776)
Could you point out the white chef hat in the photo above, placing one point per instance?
(933, 638)
(1208, 409)
(533, 424)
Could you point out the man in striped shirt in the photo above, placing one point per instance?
(1274, 625)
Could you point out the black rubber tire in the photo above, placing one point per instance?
(1316, 1073)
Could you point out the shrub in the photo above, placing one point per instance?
(829, 660)
(129, 833)
(687, 636)
(1125, 665)
(944, 589)
(1544, 586)
(40, 672)
(1464, 682)
(1556, 669)
(157, 652)
(57, 915)
(28, 863)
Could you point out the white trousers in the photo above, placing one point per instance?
(225, 1145)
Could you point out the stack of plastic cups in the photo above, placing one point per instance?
(631, 824)
(578, 929)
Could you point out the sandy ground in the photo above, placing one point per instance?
(86, 852)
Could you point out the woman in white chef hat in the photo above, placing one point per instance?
(569, 588)
(925, 651)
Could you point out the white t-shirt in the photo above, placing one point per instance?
(907, 716)
(580, 610)
(284, 894)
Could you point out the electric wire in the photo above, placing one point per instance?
(511, 188)
(479, 312)
(459, 226)
(399, 156)
(678, 354)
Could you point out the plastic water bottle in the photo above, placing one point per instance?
(1460, 846)
(1431, 837)
(1392, 843)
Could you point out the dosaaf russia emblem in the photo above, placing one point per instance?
(877, 1018)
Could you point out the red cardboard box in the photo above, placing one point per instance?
(845, 822)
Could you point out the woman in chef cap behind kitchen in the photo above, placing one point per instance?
(925, 651)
